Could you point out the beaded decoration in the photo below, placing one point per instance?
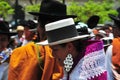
(68, 62)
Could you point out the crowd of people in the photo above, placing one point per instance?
(57, 47)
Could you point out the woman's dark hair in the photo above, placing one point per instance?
(116, 32)
(79, 44)
(42, 23)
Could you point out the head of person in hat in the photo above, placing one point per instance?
(4, 29)
(70, 48)
(30, 28)
(20, 30)
(50, 10)
(64, 39)
(5, 35)
(19, 37)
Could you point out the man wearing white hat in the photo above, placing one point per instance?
(19, 37)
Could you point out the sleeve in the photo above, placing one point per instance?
(15, 65)
(108, 62)
(52, 70)
(24, 64)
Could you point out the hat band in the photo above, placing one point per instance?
(62, 33)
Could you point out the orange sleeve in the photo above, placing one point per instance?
(116, 54)
(51, 68)
(57, 72)
(24, 64)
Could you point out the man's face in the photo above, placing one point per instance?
(40, 29)
(41, 32)
(20, 33)
(28, 34)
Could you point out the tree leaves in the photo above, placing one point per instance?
(5, 9)
(87, 9)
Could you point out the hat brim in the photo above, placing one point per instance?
(51, 16)
(113, 17)
(106, 45)
(63, 41)
(107, 38)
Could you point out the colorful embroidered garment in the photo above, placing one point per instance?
(4, 55)
(92, 65)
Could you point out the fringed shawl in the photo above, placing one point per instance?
(92, 65)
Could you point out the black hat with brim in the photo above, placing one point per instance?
(52, 9)
(50, 16)
(4, 29)
(116, 19)
(93, 21)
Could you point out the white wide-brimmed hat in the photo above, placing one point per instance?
(61, 31)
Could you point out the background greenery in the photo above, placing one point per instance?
(5, 9)
(82, 10)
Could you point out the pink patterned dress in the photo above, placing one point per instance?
(91, 66)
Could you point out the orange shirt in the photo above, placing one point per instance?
(25, 65)
(116, 54)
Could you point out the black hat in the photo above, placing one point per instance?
(4, 29)
(52, 9)
(93, 21)
(81, 27)
(116, 19)
(30, 24)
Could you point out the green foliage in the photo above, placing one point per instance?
(2, 0)
(84, 11)
(5, 9)
(32, 8)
